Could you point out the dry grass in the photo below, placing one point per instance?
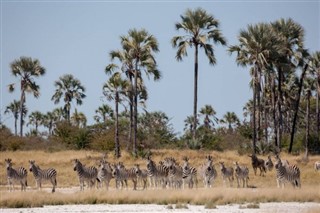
(265, 191)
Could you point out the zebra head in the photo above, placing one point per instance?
(221, 165)
(76, 165)
(278, 163)
(8, 163)
(185, 165)
(237, 167)
(137, 170)
(32, 165)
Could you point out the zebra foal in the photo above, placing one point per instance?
(208, 172)
(13, 175)
(242, 174)
(88, 174)
(227, 173)
(189, 173)
(43, 174)
(104, 174)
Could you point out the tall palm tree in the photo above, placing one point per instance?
(68, 88)
(78, 119)
(26, 69)
(230, 118)
(188, 124)
(256, 46)
(14, 108)
(209, 116)
(316, 68)
(141, 47)
(59, 114)
(36, 119)
(103, 112)
(202, 29)
(113, 89)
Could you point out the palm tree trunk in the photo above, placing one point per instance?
(22, 100)
(195, 101)
(254, 137)
(317, 107)
(307, 124)
(135, 110)
(279, 131)
(116, 135)
(296, 108)
(15, 126)
(273, 93)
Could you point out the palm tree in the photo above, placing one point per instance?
(256, 46)
(316, 67)
(36, 119)
(26, 69)
(113, 89)
(49, 120)
(140, 47)
(69, 88)
(14, 108)
(188, 123)
(209, 116)
(202, 29)
(59, 114)
(78, 119)
(230, 118)
(104, 112)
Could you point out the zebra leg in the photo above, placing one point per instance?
(53, 181)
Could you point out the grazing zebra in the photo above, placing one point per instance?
(19, 174)
(88, 174)
(104, 174)
(269, 163)
(227, 173)
(43, 174)
(189, 173)
(242, 174)
(317, 166)
(257, 163)
(208, 172)
(289, 173)
(142, 175)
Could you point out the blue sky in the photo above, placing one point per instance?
(75, 37)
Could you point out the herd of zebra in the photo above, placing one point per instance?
(168, 173)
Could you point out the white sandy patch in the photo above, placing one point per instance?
(290, 207)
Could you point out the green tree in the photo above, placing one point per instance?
(36, 119)
(78, 119)
(201, 29)
(209, 115)
(14, 109)
(230, 118)
(103, 113)
(68, 88)
(49, 120)
(26, 69)
(114, 89)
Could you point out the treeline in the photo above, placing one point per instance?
(282, 114)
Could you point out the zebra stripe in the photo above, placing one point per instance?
(43, 174)
(88, 174)
(13, 175)
(104, 174)
(152, 172)
(175, 175)
(242, 174)
(162, 174)
(142, 175)
(120, 175)
(290, 173)
(227, 173)
(208, 172)
(189, 173)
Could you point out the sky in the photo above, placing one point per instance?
(75, 37)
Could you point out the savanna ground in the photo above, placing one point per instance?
(261, 190)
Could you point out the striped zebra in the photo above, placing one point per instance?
(317, 166)
(208, 172)
(88, 174)
(152, 172)
(257, 163)
(162, 174)
(290, 173)
(269, 163)
(13, 175)
(175, 173)
(119, 173)
(227, 173)
(189, 173)
(43, 174)
(104, 174)
(242, 174)
(142, 175)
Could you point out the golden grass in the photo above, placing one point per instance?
(265, 191)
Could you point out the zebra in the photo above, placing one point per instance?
(43, 174)
(175, 173)
(290, 173)
(257, 163)
(88, 174)
(152, 172)
(162, 174)
(19, 174)
(241, 173)
(208, 172)
(104, 173)
(119, 173)
(142, 175)
(269, 163)
(227, 173)
(189, 173)
(317, 166)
